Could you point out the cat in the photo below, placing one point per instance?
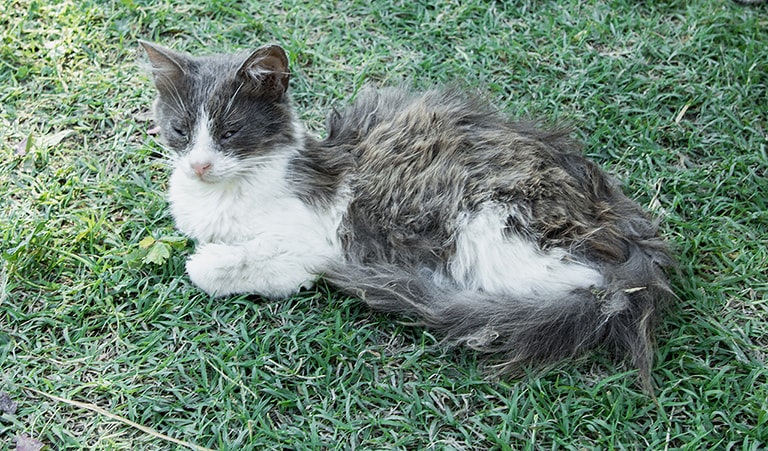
(497, 234)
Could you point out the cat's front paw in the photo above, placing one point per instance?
(211, 268)
(222, 270)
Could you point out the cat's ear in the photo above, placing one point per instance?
(267, 67)
(165, 63)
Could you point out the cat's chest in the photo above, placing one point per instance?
(231, 213)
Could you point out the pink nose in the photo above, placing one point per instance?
(201, 168)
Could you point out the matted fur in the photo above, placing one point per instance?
(497, 234)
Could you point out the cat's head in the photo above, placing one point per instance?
(223, 115)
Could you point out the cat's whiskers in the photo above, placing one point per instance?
(251, 164)
(168, 156)
(231, 100)
(176, 102)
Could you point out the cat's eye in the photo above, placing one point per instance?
(179, 131)
(228, 134)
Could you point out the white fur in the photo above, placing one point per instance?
(253, 235)
(498, 261)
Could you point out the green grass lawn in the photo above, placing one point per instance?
(101, 332)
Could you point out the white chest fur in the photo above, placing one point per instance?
(231, 211)
(235, 204)
(253, 234)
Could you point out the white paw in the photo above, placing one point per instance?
(211, 268)
(222, 270)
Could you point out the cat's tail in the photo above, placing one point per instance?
(527, 332)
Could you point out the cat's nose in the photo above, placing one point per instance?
(201, 168)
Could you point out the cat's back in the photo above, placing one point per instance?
(442, 130)
(423, 161)
(385, 113)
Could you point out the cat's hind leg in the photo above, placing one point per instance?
(254, 268)
(490, 258)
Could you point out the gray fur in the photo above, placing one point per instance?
(424, 159)
(244, 93)
(412, 165)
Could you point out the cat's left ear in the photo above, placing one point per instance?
(268, 67)
(165, 64)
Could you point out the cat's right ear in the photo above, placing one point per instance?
(165, 64)
(267, 67)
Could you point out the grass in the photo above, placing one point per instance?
(671, 96)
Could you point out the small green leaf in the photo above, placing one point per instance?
(176, 242)
(135, 258)
(146, 242)
(158, 253)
